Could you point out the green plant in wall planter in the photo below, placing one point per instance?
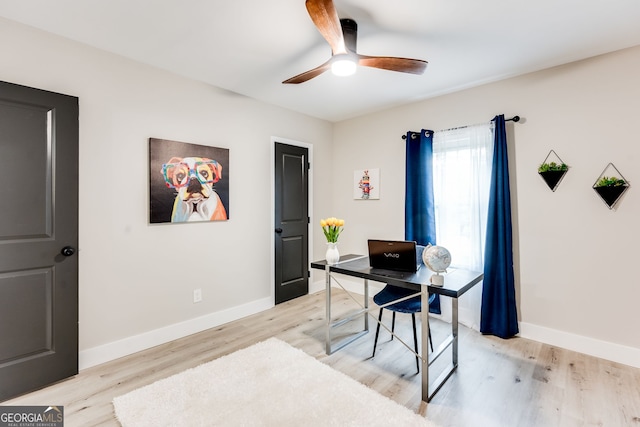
(553, 167)
(610, 182)
(553, 172)
(609, 187)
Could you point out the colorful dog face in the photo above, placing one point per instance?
(178, 172)
(193, 178)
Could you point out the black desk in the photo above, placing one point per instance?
(456, 283)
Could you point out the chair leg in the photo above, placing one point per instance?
(375, 343)
(393, 324)
(415, 340)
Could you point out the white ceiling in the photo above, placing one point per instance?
(251, 46)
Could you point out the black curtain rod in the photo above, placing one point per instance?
(515, 119)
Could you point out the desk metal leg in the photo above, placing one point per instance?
(366, 304)
(327, 281)
(454, 331)
(425, 343)
(329, 346)
(451, 340)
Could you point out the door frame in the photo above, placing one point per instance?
(272, 252)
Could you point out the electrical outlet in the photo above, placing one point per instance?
(197, 295)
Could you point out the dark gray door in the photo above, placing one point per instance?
(38, 238)
(291, 222)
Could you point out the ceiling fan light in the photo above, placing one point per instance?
(343, 67)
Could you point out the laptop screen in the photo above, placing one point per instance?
(397, 255)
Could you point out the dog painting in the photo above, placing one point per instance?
(188, 182)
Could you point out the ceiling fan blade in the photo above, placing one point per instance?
(403, 65)
(308, 75)
(324, 15)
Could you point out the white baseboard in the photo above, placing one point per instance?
(591, 346)
(114, 350)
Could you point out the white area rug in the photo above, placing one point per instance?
(266, 384)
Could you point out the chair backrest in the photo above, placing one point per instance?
(419, 250)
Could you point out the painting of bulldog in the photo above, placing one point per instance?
(188, 182)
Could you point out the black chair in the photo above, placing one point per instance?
(412, 305)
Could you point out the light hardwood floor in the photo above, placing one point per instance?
(515, 382)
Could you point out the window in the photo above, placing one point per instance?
(462, 160)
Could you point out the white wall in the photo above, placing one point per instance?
(134, 291)
(136, 280)
(576, 261)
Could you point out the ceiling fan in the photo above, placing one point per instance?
(342, 34)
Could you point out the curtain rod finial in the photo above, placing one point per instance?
(413, 135)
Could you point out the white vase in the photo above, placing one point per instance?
(332, 256)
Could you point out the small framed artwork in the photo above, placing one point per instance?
(366, 184)
(187, 182)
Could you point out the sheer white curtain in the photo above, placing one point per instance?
(462, 161)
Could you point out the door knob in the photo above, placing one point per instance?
(68, 251)
(278, 230)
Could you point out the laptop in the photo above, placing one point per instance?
(395, 255)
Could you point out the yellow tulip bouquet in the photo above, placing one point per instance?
(332, 227)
